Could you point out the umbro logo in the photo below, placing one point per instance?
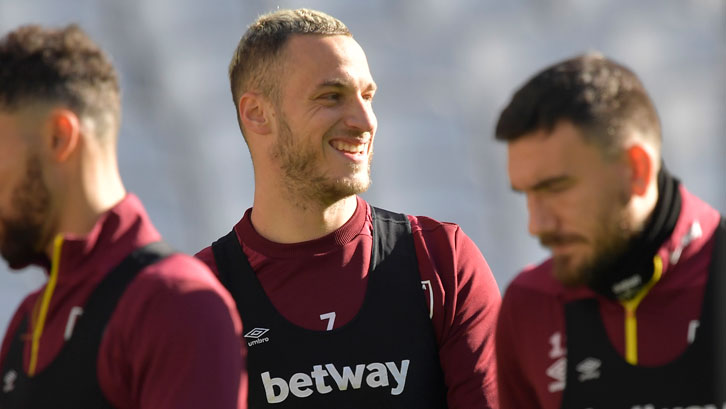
(256, 333)
(256, 336)
(589, 369)
(9, 381)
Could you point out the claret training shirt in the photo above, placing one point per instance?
(173, 340)
(320, 285)
(531, 333)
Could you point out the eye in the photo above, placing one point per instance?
(554, 186)
(330, 97)
(368, 96)
(559, 186)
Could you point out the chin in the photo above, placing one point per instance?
(360, 184)
(20, 261)
(354, 184)
(567, 272)
(334, 191)
(351, 188)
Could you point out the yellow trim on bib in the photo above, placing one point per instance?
(45, 303)
(631, 322)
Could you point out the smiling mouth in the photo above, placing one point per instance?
(352, 148)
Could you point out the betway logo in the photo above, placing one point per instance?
(301, 384)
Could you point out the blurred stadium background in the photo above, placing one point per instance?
(444, 69)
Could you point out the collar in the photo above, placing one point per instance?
(247, 235)
(116, 233)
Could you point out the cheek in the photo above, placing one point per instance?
(577, 210)
(613, 194)
(7, 184)
(604, 208)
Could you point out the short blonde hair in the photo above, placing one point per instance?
(254, 64)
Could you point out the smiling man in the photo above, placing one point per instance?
(628, 312)
(343, 304)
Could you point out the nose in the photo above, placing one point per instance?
(541, 218)
(360, 115)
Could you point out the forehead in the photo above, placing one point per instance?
(312, 59)
(542, 154)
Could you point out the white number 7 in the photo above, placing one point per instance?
(331, 319)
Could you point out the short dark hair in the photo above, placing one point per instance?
(598, 95)
(39, 64)
(253, 65)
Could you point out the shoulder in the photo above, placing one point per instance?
(419, 224)
(530, 338)
(697, 220)
(206, 256)
(427, 226)
(443, 239)
(445, 253)
(694, 229)
(21, 312)
(533, 299)
(177, 276)
(178, 272)
(532, 304)
(686, 254)
(173, 326)
(445, 245)
(178, 291)
(537, 279)
(434, 238)
(693, 206)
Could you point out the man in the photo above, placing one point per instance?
(623, 314)
(343, 305)
(122, 321)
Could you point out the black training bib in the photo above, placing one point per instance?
(386, 357)
(599, 378)
(70, 381)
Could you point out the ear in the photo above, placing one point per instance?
(65, 134)
(641, 164)
(254, 113)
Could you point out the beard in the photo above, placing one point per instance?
(609, 245)
(606, 252)
(304, 180)
(22, 234)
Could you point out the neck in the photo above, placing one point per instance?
(83, 201)
(282, 220)
(643, 208)
(635, 265)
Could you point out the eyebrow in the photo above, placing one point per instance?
(336, 83)
(544, 184)
(342, 83)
